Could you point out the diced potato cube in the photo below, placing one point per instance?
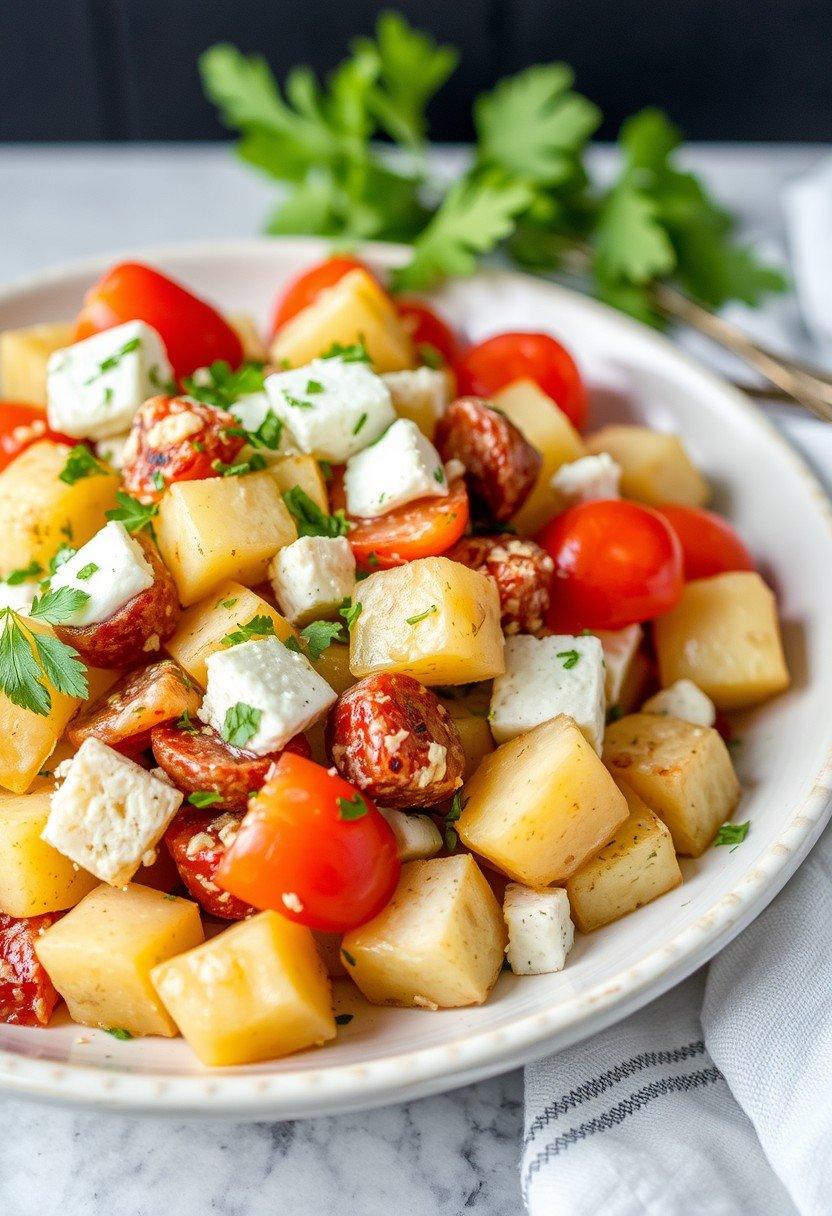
(39, 512)
(221, 528)
(683, 773)
(34, 877)
(540, 929)
(439, 942)
(541, 804)
(637, 866)
(724, 636)
(655, 467)
(471, 721)
(354, 310)
(245, 327)
(546, 428)
(334, 665)
(203, 626)
(433, 619)
(257, 991)
(24, 354)
(421, 395)
(100, 956)
(303, 471)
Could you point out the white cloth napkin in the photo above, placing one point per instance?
(716, 1100)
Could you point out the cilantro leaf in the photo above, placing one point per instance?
(241, 724)
(257, 627)
(133, 514)
(310, 519)
(58, 607)
(320, 635)
(80, 463)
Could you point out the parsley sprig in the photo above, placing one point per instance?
(133, 514)
(309, 517)
(220, 386)
(32, 662)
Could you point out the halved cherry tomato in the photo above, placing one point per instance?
(616, 563)
(424, 528)
(429, 333)
(485, 369)
(709, 544)
(194, 334)
(22, 425)
(306, 288)
(312, 848)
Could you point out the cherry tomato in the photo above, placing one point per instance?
(485, 369)
(306, 288)
(424, 528)
(27, 995)
(709, 544)
(22, 425)
(312, 848)
(428, 332)
(616, 563)
(194, 334)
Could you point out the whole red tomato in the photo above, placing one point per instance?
(485, 369)
(616, 563)
(194, 334)
(433, 339)
(22, 425)
(709, 544)
(306, 288)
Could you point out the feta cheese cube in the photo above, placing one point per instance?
(94, 388)
(684, 700)
(545, 677)
(108, 813)
(251, 410)
(417, 836)
(401, 467)
(587, 479)
(540, 929)
(18, 596)
(312, 577)
(421, 395)
(331, 408)
(620, 648)
(111, 569)
(276, 690)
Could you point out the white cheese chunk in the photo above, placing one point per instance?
(18, 596)
(312, 577)
(331, 408)
(684, 700)
(417, 836)
(587, 479)
(401, 467)
(620, 648)
(422, 395)
(111, 569)
(540, 929)
(545, 677)
(95, 387)
(279, 685)
(114, 451)
(108, 813)
(251, 411)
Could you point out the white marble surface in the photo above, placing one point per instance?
(442, 1156)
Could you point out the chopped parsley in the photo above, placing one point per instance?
(159, 482)
(62, 554)
(313, 387)
(86, 572)
(450, 835)
(430, 355)
(360, 424)
(309, 517)
(203, 798)
(257, 627)
(133, 514)
(267, 435)
(254, 464)
(352, 808)
(732, 833)
(439, 474)
(241, 724)
(80, 463)
(614, 713)
(320, 635)
(29, 660)
(23, 575)
(350, 612)
(118, 1032)
(115, 358)
(421, 616)
(219, 386)
(291, 643)
(570, 658)
(297, 403)
(185, 722)
(326, 469)
(226, 603)
(355, 353)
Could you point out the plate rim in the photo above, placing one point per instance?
(486, 1052)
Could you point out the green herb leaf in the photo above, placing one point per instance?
(133, 514)
(62, 554)
(359, 424)
(254, 464)
(267, 435)
(257, 627)
(62, 666)
(350, 612)
(241, 724)
(412, 68)
(421, 616)
(118, 1032)
(355, 353)
(23, 575)
(86, 572)
(185, 722)
(352, 808)
(203, 798)
(731, 833)
(320, 635)
(291, 643)
(310, 519)
(112, 361)
(59, 606)
(569, 658)
(20, 673)
(80, 463)
(219, 386)
(159, 482)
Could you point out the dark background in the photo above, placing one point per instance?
(125, 69)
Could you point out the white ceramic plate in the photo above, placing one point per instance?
(388, 1055)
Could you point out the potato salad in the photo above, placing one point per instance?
(345, 653)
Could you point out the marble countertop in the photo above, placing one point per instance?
(441, 1156)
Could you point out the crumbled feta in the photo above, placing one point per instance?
(684, 700)
(174, 429)
(620, 648)
(331, 408)
(545, 677)
(540, 929)
(94, 388)
(422, 395)
(435, 768)
(251, 411)
(417, 836)
(108, 813)
(312, 577)
(18, 596)
(589, 478)
(111, 569)
(402, 466)
(280, 685)
(114, 451)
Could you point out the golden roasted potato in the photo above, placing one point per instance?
(655, 466)
(34, 877)
(24, 354)
(303, 471)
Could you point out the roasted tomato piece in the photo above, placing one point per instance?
(201, 760)
(393, 738)
(314, 849)
(501, 465)
(174, 439)
(137, 629)
(197, 841)
(433, 339)
(22, 425)
(124, 717)
(498, 361)
(522, 571)
(709, 543)
(27, 995)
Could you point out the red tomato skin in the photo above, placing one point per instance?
(709, 544)
(295, 855)
(306, 288)
(428, 329)
(21, 425)
(485, 369)
(27, 995)
(616, 564)
(194, 334)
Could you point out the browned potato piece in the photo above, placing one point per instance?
(683, 773)
(724, 635)
(655, 467)
(638, 865)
